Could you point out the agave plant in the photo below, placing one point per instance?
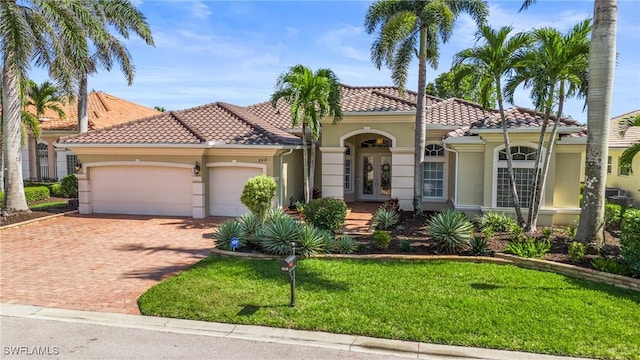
(385, 219)
(451, 230)
(311, 241)
(250, 226)
(344, 244)
(278, 233)
(227, 231)
(499, 222)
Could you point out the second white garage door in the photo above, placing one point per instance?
(225, 188)
(141, 190)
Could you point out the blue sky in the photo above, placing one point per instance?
(209, 51)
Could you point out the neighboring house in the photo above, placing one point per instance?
(42, 161)
(194, 162)
(627, 182)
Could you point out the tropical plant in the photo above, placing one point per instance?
(612, 216)
(610, 265)
(602, 61)
(546, 233)
(344, 244)
(311, 241)
(480, 247)
(385, 219)
(554, 68)
(450, 229)
(226, 231)
(405, 246)
(381, 239)
(250, 227)
(326, 213)
(630, 240)
(626, 160)
(448, 85)
(497, 221)
(408, 28)
(160, 108)
(258, 194)
(278, 233)
(577, 252)
(311, 97)
(495, 59)
(529, 248)
(69, 186)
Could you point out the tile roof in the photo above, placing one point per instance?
(632, 135)
(103, 109)
(519, 117)
(456, 112)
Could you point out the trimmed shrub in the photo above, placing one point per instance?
(69, 186)
(630, 240)
(529, 248)
(311, 241)
(326, 213)
(480, 247)
(381, 239)
(610, 265)
(250, 226)
(56, 190)
(612, 216)
(577, 252)
(405, 246)
(450, 229)
(277, 234)
(385, 218)
(499, 222)
(258, 194)
(36, 193)
(227, 231)
(344, 244)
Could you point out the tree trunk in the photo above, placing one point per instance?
(507, 149)
(602, 60)
(312, 166)
(15, 199)
(421, 123)
(83, 99)
(305, 164)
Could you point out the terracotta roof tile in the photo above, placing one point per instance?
(632, 136)
(456, 112)
(103, 109)
(519, 117)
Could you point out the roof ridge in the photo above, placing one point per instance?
(102, 101)
(115, 126)
(553, 117)
(398, 99)
(378, 87)
(270, 131)
(195, 132)
(468, 102)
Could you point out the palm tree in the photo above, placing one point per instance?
(496, 59)
(626, 160)
(554, 68)
(45, 96)
(311, 97)
(602, 61)
(413, 27)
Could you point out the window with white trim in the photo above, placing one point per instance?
(433, 172)
(609, 160)
(348, 161)
(72, 162)
(524, 160)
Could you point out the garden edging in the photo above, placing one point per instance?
(501, 259)
(38, 219)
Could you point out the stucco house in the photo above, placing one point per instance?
(42, 161)
(194, 162)
(621, 183)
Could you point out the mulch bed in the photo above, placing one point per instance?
(8, 219)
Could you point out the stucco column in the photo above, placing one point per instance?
(332, 172)
(85, 205)
(51, 154)
(402, 176)
(33, 155)
(198, 198)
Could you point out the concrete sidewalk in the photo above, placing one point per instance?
(346, 343)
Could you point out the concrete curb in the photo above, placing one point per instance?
(38, 220)
(354, 343)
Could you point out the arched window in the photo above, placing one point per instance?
(348, 168)
(433, 172)
(524, 161)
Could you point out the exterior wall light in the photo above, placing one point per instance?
(196, 169)
(78, 168)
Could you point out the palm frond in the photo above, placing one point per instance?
(627, 123)
(626, 160)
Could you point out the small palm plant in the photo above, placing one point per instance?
(451, 230)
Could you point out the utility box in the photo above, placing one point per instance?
(288, 264)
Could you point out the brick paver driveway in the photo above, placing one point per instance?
(98, 263)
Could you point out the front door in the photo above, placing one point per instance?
(375, 177)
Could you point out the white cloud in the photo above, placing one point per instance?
(200, 10)
(345, 41)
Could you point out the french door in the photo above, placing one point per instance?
(375, 177)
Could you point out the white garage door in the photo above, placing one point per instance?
(141, 190)
(225, 188)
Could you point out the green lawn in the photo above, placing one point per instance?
(484, 305)
(49, 205)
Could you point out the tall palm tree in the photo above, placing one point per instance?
(496, 59)
(411, 27)
(626, 160)
(602, 60)
(311, 97)
(30, 30)
(45, 96)
(554, 68)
